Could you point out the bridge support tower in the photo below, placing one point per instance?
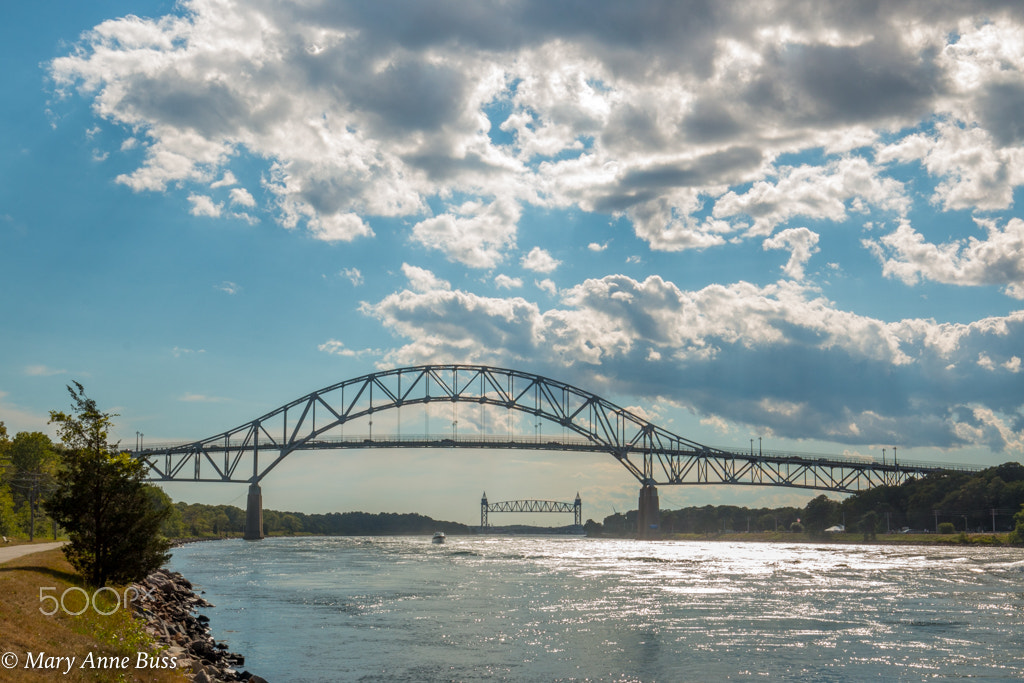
(648, 517)
(254, 514)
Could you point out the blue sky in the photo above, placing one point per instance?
(789, 224)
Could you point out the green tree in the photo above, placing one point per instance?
(102, 502)
(7, 525)
(1017, 535)
(34, 464)
(820, 514)
(869, 525)
(172, 526)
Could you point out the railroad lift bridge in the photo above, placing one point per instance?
(591, 424)
(575, 507)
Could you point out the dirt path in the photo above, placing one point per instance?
(8, 553)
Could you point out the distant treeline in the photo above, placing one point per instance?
(969, 501)
(198, 520)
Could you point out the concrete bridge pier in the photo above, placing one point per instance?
(648, 517)
(254, 514)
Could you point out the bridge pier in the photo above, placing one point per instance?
(648, 516)
(254, 514)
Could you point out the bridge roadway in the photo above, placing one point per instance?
(652, 455)
(673, 467)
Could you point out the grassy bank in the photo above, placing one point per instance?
(24, 628)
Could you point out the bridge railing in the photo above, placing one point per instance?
(852, 459)
(558, 442)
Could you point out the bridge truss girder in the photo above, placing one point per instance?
(576, 508)
(651, 454)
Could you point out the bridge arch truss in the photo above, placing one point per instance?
(651, 454)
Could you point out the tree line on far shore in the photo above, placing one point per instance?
(987, 501)
(197, 520)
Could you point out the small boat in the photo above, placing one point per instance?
(438, 537)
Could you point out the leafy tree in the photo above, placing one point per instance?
(34, 463)
(8, 521)
(172, 526)
(616, 524)
(102, 502)
(820, 514)
(7, 525)
(1017, 536)
(869, 525)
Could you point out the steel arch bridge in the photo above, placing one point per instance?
(652, 455)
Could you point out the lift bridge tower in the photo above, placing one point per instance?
(575, 507)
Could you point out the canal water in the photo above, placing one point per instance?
(578, 609)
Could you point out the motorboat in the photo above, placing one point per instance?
(438, 537)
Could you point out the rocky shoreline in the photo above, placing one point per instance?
(167, 602)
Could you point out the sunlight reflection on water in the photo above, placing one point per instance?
(549, 608)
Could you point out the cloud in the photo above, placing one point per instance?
(337, 348)
(546, 285)
(17, 419)
(354, 276)
(227, 180)
(697, 127)
(338, 227)
(42, 371)
(770, 357)
(502, 281)
(827, 192)
(683, 119)
(540, 261)
(201, 398)
(204, 206)
(975, 173)
(241, 197)
(422, 280)
(474, 234)
(228, 287)
(442, 319)
(801, 243)
(996, 260)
